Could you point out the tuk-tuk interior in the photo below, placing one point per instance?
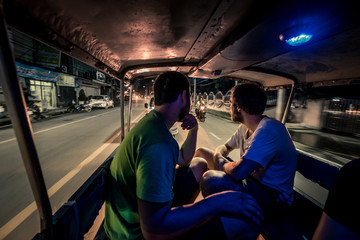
(248, 41)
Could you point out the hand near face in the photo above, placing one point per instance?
(189, 122)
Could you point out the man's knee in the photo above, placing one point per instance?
(216, 181)
(204, 153)
(198, 166)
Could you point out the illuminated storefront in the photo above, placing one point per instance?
(40, 84)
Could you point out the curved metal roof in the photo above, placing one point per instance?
(202, 38)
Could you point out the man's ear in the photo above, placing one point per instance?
(183, 96)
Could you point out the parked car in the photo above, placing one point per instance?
(101, 101)
(2, 111)
(150, 106)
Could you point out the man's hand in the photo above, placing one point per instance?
(189, 122)
(258, 173)
(219, 161)
(239, 203)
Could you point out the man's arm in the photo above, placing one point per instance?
(220, 156)
(223, 150)
(188, 148)
(159, 221)
(241, 169)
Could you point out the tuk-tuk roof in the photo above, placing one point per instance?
(237, 39)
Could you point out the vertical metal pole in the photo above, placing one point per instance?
(112, 89)
(280, 103)
(287, 109)
(194, 91)
(130, 108)
(21, 123)
(122, 109)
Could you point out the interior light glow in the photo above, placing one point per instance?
(296, 40)
(142, 70)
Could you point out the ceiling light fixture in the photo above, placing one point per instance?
(296, 40)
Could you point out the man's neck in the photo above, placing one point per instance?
(169, 113)
(252, 122)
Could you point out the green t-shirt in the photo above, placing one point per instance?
(143, 167)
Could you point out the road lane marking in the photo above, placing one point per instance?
(31, 208)
(141, 115)
(65, 124)
(58, 126)
(9, 140)
(212, 134)
(17, 220)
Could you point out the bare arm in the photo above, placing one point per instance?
(188, 148)
(219, 158)
(223, 150)
(241, 169)
(159, 221)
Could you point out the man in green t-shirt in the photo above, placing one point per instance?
(151, 179)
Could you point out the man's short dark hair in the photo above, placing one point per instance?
(168, 86)
(249, 97)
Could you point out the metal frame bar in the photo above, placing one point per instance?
(130, 108)
(21, 123)
(122, 109)
(290, 99)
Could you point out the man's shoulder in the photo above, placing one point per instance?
(270, 123)
(150, 123)
(272, 127)
(160, 143)
(242, 128)
(148, 131)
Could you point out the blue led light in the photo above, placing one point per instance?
(298, 40)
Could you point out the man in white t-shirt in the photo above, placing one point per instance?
(268, 158)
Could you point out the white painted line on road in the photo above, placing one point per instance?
(9, 140)
(59, 126)
(141, 115)
(65, 124)
(31, 208)
(17, 220)
(76, 170)
(212, 134)
(20, 217)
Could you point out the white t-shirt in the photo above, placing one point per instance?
(239, 139)
(270, 146)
